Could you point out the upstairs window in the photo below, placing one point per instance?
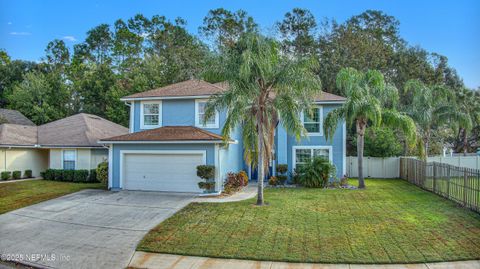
(151, 116)
(211, 122)
(69, 159)
(313, 121)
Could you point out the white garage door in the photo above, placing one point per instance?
(162, 171)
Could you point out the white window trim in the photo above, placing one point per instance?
(320, 123)
(63, 150)
(294, 153)
(142, 118)
(197, 120)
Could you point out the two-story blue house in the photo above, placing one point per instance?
(167, 140)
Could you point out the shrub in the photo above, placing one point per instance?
(68, 175)
(58, 174)
(282, 169)
(206, 185)
(102, 172)
(17, 174)
(281, 179)
(344, 181)
(206, 171)
(316, 173)
(49, 174)
(242, 174)
(28, 174)
(80, 175)
(42, 174)
(234, 182)
(5, 175)
(92, 177)
(295, 176)
(272, 181)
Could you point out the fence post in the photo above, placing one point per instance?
(465, 186)
(448, 181)
(434, 176)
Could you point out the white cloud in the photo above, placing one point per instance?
(20, 33)
(9, 23)
(69, 38)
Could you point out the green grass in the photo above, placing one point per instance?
(391, 221)
(24, 193)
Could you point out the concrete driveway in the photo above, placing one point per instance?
(87, 229)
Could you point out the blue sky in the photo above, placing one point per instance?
(451, 28)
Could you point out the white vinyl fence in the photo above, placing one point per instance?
(472, 162)
(375, 167)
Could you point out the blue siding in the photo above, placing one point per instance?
(337, 144)
(181, 112)
(177, 112)
(231, 158)
(210, 148)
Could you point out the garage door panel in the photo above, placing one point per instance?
(162, 172)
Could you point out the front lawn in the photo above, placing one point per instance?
(15, 195)
(391, 221)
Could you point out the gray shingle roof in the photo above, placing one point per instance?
(18, 135)
(80, 130)
(196, 87)
(14, 117)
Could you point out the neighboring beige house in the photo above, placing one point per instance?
(69, 143)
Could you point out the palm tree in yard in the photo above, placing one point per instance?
(468, 102)
(263, 86)
(432, 107)
(370, 102)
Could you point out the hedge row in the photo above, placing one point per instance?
(6, 175)
(71, 175)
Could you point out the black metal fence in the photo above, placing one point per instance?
(458, 184)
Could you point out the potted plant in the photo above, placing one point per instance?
(207, 173)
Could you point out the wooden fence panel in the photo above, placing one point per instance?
(458, 184)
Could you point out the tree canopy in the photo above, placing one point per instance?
(141, 53)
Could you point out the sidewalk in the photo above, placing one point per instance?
(163, 261)
(246, 193)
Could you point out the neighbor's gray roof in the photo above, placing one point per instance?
(18, 135)
(196, 87)
(14, 117)
(81, 130)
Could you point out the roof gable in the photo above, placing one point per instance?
(14, 117)
(82, 130)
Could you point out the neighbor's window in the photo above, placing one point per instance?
(151, 114)
(69, 158)
(305, 155)
(313, 121)
(211, 122)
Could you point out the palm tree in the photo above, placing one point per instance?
(370, 101)
(468, 101)
(263, 86)
(431, 107)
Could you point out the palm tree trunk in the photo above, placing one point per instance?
(360, 143)
(425, 154)
(465, 142)
(260, 170)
